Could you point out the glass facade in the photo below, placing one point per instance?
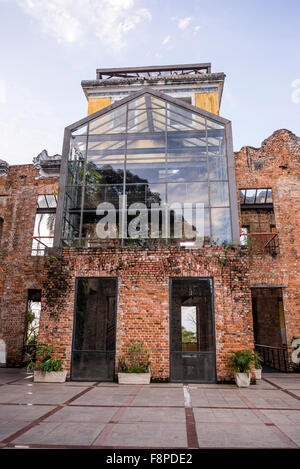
(153, 152)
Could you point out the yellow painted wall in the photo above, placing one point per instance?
(95, 104)
(208, 102)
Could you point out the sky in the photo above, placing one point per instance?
(49, 46)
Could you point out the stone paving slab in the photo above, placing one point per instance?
(292, 431)
(142, 435)
(159, 397)
(234, 435)
(270, 399)
(83, 414)
(216, 398)
(22, 412)
(7, 428)
(106, 396)
(283, 416)
(152, 414)
(156, 415)
(69, 433)
(225, 415)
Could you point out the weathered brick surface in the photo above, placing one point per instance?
(143, 298)
(19, 271)
(143, 274)
(276, 165)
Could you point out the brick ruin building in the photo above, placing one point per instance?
(153, 134)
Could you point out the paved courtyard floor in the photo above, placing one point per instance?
(108, 415)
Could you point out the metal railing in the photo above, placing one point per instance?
(274, 357)
(40, 243)
(261, 243)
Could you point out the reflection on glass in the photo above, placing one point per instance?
(269, 199)
(250, 196)
(188, 193)
(219, 196)
(43, 233)
(221, 225)
(164, 151)
(217, 168)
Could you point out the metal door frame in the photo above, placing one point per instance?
(211, 281)
(74, 324)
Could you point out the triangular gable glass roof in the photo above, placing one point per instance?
(148, 139)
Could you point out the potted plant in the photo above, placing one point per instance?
(134, 366)
(240, 361)
(257, 365)
(47, 368)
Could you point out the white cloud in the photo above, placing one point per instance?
(184, 22)
(70, 21)
(166, 40)
(2, 92)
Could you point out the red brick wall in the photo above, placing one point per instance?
(277, 165)
(19, 272)
(143, 298)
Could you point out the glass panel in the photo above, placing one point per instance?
(111, 122)
(192, 192)
(71, 224)
(269, 197)
(96, 194)
(250, 196)
(154, 173)
(219, 196)
(42, 201)
(104, 149)
(146, 158)
(51, 200)
(217, 168)
(242, 193)
(146, 193)
(137, 103)
(105, 174)
(244, 237)
(83, 130)
(221, 225)
(261, 196)
(77, 148)
(184, 169)
(179, 117)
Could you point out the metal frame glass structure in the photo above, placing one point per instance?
(153, 149)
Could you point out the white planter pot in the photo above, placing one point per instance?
(134, 378)
(242, 379)
(49, 377)
(257, 373)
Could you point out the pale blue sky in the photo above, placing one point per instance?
(49, 46)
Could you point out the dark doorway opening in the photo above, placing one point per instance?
(269, 327)
(93, 348)
(192, 344)
(33, 312)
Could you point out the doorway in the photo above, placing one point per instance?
(93, 347)
(192, 331)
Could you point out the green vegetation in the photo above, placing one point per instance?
(135, 360)
(46, 361)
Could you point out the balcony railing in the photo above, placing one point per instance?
(274, 357)
(40, 243)
(261, 243)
